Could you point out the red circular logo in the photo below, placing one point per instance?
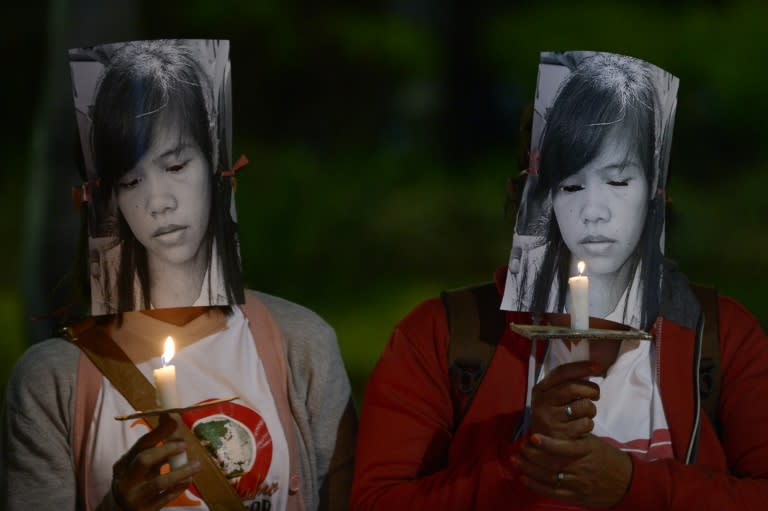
(238, 439)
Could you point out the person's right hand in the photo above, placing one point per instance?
(136, 480)
(565, 389)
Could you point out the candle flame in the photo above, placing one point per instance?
(581, 266)
(169, 352)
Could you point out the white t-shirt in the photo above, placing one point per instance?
(246, 435)
(630, 414)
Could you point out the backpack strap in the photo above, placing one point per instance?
(709, 367)
(115, 365)
(475, 325)
(271, 350)
(87, 387)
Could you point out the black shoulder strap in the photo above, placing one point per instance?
(709, 368)
(475, 326)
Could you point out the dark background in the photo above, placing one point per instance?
(381, 137)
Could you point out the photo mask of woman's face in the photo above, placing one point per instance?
(155, 129)
(601, 210)
(598, 157)
(165, 199)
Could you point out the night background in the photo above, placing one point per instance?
(381, 137)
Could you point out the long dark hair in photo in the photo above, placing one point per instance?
(146, 83)
(603, 93)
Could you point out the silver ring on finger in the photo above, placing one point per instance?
(559, 478)
(568, 411)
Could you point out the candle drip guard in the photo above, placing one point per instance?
(181, 409)
(557, 326)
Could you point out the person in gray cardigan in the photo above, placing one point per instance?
(37, 467)
(48, 423)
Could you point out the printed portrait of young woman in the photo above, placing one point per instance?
(155, 131)
(598, 162)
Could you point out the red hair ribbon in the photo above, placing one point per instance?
(83, 193)
(662, 192)
(533, 167)
(239, 164)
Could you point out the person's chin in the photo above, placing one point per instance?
(177, 255)
(599, 259)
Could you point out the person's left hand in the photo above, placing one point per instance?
(592, 472)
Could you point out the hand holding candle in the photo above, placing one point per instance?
(167, 392)
(579, 287)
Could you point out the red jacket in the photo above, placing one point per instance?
(408, 459)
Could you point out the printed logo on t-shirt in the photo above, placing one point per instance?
(237, 437)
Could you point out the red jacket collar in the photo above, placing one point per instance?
(675, 349)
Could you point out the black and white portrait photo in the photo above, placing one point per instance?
(595, 192)
(154, 119)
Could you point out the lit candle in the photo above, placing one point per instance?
(579, 287)
(167, 393)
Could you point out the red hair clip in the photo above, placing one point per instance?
(533, 167)
(239, 164)
(83, 193)
(663, 193)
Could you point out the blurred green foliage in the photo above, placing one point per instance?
(381, 137)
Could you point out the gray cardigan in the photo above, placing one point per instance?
(37, 469)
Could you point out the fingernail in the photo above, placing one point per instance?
(535, 440)
(195, 464)
(181, 445)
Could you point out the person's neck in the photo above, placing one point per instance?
(177, 285)
(605, 290)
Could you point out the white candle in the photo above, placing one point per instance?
(167, 392)
(579, 287)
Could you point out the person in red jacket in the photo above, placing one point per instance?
(545, 431)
